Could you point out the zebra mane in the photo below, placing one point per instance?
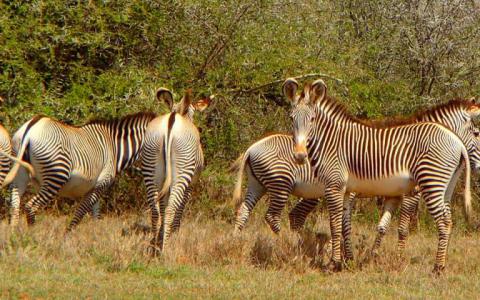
(454, 104)
(138, 115)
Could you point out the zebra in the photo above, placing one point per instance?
(272, 170)
(71, 161)
(347, 155)
(5, 147)
(172, 159)
(456, 115)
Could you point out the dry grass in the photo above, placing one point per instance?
(206, 260)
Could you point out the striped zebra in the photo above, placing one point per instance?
(272, 170)
(5, 147)
(457, 116)
(349, 155)
(71, 161)
(172, 159)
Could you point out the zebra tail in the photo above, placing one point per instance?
(239, 167)
(17, 163)
(168, 168)
(467, 191)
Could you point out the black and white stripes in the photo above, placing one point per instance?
(349, 155)
(76, 162)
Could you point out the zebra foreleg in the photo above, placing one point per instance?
(85, 206)
(335, 198)
(298, 215)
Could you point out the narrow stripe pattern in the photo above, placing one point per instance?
(349, 155)
(76, 162)
(172, 159)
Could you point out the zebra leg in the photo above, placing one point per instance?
(255, 191)
(335, 198)
(96, 210)
(153, 170)
(18, 188)
(278, 199)
(298, 215)
(347, 226)
(390, 205)
(175, 205)
(407, 211)
(153, 203)
(179, 213)
(44, 197)
(87, 205)
(434, 199)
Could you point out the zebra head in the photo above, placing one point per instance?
(303, 112)
(185, 107)
(472, 143)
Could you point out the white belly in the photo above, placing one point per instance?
(396, 185)
(77, 186)
(309, 190)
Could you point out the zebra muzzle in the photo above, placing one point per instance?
(300, 154)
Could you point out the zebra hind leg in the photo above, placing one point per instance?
(47, 192)
(255, 191)
(441, 214)
(85, 206)
(347, 226)
(407, 210)
(390, 206)
(273, 216)
(298, 215)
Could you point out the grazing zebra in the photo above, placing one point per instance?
(70, 161)
(349, 155)
(172, 159)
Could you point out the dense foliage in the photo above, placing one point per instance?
(76, 60)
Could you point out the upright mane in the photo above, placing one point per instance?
(147, 115)
(387, 122)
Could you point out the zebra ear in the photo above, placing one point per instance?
(318, 91)
(202, 104)
(166, 96)
(289, 88)
(185, 102)
(474, 111)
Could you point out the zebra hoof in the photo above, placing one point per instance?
(438, 270)
(333, 267)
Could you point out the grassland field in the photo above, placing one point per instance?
(109, 259)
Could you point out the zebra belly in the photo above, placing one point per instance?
(309, 190)
(77, 186)
(396, 185)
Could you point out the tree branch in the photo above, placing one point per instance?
(273, 83)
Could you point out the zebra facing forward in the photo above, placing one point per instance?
(456, 115)
(271, 170)
(70, 161)
(348, 155)
(172, 159)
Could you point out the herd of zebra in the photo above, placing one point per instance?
(329, 154)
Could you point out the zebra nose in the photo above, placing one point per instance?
(300, 157)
